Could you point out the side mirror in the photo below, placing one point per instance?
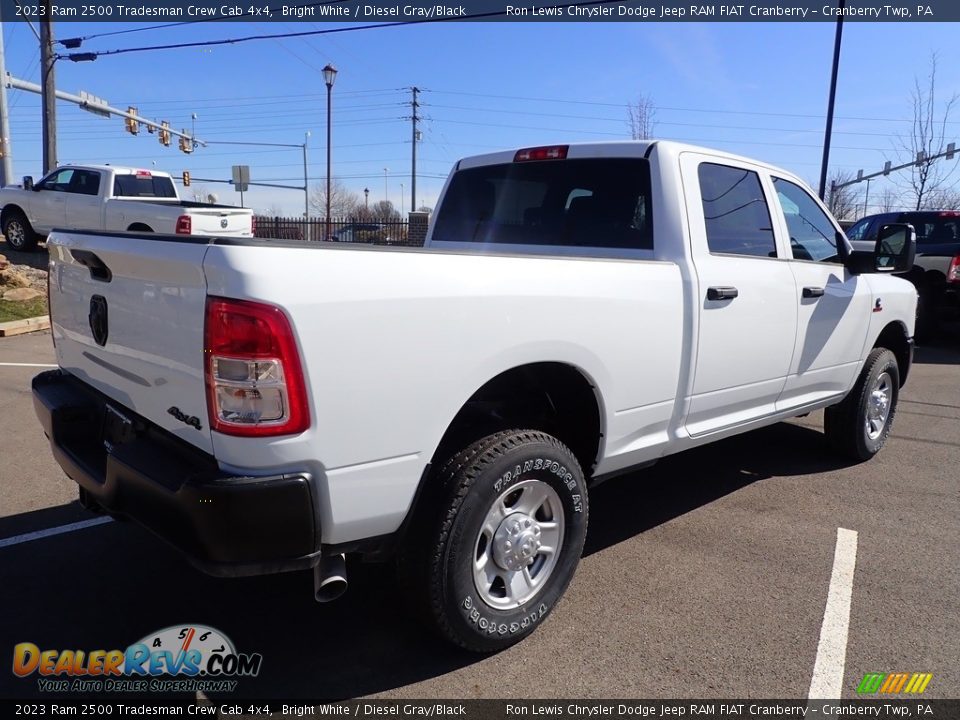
(27, 182)
(895, 249)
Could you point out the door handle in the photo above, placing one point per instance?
(722, 293)
(812, 292)
(97, 267)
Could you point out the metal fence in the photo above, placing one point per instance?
(355, 230)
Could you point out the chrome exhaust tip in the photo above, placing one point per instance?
(330, 578)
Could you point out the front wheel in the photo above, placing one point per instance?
(19, 234)
(859, 426)
(500, 544)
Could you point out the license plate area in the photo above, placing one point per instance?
(117, 428)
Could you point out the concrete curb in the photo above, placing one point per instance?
(27, 325)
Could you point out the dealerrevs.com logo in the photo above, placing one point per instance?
(180, 658)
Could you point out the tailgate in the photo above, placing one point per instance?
(221, 221)
(127, 317)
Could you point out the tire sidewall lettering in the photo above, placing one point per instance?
(491, 626)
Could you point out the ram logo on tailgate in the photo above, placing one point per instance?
(98, 319)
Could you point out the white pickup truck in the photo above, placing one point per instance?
(103, 197)
(577, 311)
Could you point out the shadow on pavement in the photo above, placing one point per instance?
(108, 586)
(943, 348)
(38, 259)
(629, 505)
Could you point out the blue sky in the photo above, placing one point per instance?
(758, 89)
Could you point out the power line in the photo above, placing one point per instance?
(664, 107)
(80, 57)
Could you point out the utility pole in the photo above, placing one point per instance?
(828, 131)
(6, 163)
(413, 164)
(48, 88)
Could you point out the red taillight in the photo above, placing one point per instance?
(144, 173)
(953, 272)
(184, 225)
(255, 384)
(548, 152)
(949, 213)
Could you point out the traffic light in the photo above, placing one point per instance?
(186, 178)
(186, 143)
(165, 133)
(131, 125)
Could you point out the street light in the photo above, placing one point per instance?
(401, 198)
(386, 195)
(329, 77)
(366, 198)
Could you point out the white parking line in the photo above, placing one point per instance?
(39, 534)
(827, 681)
(3, 364)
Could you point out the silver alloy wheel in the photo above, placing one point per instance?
(878, 405)
(518, 544)
(15, 234)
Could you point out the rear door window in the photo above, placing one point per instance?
(144, 186)
(735, 211)
(596, 202)
(934, 228)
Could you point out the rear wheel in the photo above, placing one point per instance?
(494, 552)
(859, 426)
(18, 232)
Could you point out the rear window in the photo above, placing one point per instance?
(934, 228)
(143, 186)
(601, 203)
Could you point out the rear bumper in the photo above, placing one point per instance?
(227, 525)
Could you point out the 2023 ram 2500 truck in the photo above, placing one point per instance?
(103, 197)
(578, 311)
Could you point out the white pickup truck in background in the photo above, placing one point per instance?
(103, 197)
(578, 311)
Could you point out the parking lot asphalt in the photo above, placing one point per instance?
(705, 576)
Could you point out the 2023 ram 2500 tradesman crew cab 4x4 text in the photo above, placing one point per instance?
(577, 311)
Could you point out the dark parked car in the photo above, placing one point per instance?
(361, 233)
(936, 268)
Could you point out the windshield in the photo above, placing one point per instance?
(600, 202)
(144, 186)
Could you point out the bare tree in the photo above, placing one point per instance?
(202, 194)
(927, 139)
(273, 211)
(640, 118)
(343, 202)
(384, 210)
(889, 200)
(842, 201)
(425, 209)
(943, 199)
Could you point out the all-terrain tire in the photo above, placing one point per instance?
(497, 501)
(18, 232)
(859, 426)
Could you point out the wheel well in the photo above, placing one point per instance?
(894, 338)
(8, 211)
(552, 397)
(139, 227)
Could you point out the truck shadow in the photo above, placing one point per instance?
(634, 503)
(39, 259)
(108, 586)
(943, 348)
